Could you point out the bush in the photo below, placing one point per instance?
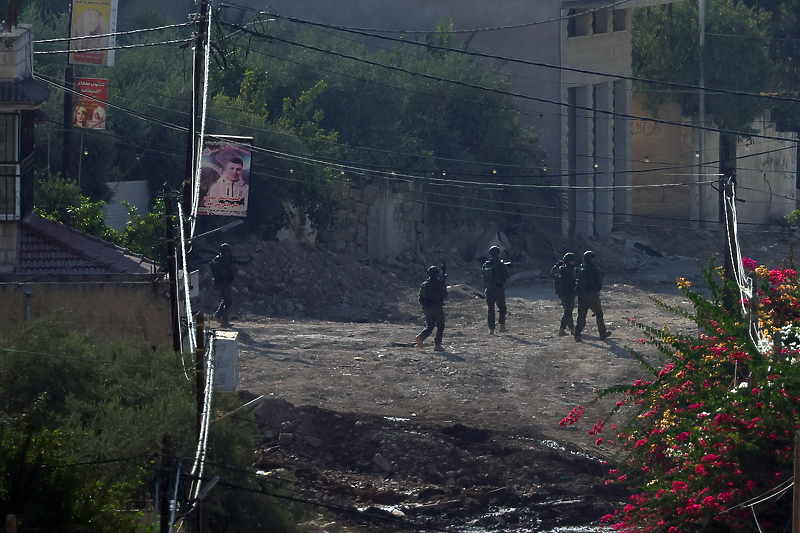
(713, 429)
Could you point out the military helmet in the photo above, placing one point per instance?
(225, 247)
(433, 271)
(569, 256)
(494, 250)
(588, 255)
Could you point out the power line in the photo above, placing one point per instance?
(501, 91)
(475, 30)
(116, 47)
(115, 34)
(366, 33)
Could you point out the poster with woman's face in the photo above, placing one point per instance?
(225, 176)
(89, 106)
(92, 22)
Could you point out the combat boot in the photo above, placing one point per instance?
(578, 337)
(502, 328)
(605, 335)
(562, 332)
(438, 347)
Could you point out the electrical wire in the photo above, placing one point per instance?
(115, 47)
(505, 59)
(199, 150)
(182, 267)
(498, 91)
(115, 34)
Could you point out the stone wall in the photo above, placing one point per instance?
(112, 310)
(379, 220)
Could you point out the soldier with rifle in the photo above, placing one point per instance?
(432, 294)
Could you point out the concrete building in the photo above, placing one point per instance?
(577, 55)
(45, 266)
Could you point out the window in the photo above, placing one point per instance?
(600, 21)
(620, 17)
(579, 22)
(9, 192)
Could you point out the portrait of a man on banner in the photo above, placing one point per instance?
(225, 176)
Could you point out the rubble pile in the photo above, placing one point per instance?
(453, 476)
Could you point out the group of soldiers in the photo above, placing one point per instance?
(571, 281)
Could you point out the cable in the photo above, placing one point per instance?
(116, 47)
(182, 266)
(115, 34)
(475, 30)
(500, 91)
(367, 33)
(199, 151)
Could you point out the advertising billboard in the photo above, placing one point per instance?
(92, 22)
(89, 106)
(225, 176)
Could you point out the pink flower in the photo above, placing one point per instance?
(682, 437)
(679, 485)
(748, 263)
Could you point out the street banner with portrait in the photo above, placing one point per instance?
(89, 105)
(92, 22)
(225, 176)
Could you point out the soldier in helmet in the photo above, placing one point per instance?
(224, 272)
(588, 282)
(432, 294)
(494, 274)
(563, 274)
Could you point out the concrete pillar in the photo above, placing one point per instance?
(584, 161)
(604, 158)
(622, 151)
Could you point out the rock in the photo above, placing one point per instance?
(382, 463)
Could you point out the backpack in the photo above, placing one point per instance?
(581, 283)
(486, 275)
(558, 279)
(426, 293)
(491, 276)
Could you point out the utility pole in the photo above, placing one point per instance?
(69, 84)
(702, 112)
(166, 466)
(172, 269)
(195, 115)
(199, 362)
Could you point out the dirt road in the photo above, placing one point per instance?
(404, 438)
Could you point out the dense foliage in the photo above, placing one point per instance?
(82, 426)
(324, 109)
(736, 58)
(712, 432)
(62, 201)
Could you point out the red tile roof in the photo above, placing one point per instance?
(47, 247)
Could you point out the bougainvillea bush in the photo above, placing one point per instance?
(712, 432)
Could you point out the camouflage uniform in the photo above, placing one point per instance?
(566, 272)
(224, 272)
(495, 289)
(432, 295)
(589, 281)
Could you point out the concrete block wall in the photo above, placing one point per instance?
(378, 220)
(111, 310)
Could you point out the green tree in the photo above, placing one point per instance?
(736, 58)
(81, 427)
(62, 201)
